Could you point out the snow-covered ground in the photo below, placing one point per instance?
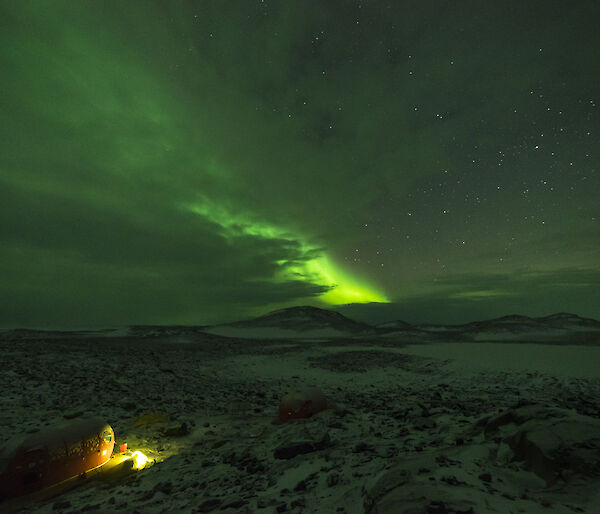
(422, 427)
(274, 332)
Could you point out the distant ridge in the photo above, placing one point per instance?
(510, 321)
(560, 319)
(304, 318)
(307, 318)
(573, 319)
(397, 324)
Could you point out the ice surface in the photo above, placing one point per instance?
(557, 360)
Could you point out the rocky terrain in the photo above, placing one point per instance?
(409, 427)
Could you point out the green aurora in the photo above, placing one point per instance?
(183, 162)
(343, 287)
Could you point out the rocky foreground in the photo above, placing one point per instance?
(404, 434)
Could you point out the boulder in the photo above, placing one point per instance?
(553, 443)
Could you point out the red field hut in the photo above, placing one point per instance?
(54, 454)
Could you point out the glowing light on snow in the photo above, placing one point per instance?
(139, 459)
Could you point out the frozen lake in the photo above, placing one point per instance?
(560, 360)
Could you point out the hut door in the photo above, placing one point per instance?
(35, 463)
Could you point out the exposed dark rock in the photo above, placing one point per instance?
(73, 414)
(363, 447)
(209, 505)
(61, 505)
(299, 502)
(437, 507)
(233, 502)
(289, 451)
(332, 479)
(176, 430)
(452, 480)
(485, 477)
(301, 486)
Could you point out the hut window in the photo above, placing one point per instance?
(107, 437)
(31, 477)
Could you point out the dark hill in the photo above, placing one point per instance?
(304, 318)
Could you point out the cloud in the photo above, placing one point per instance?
(67, 260)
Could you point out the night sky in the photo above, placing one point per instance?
(201, 162)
